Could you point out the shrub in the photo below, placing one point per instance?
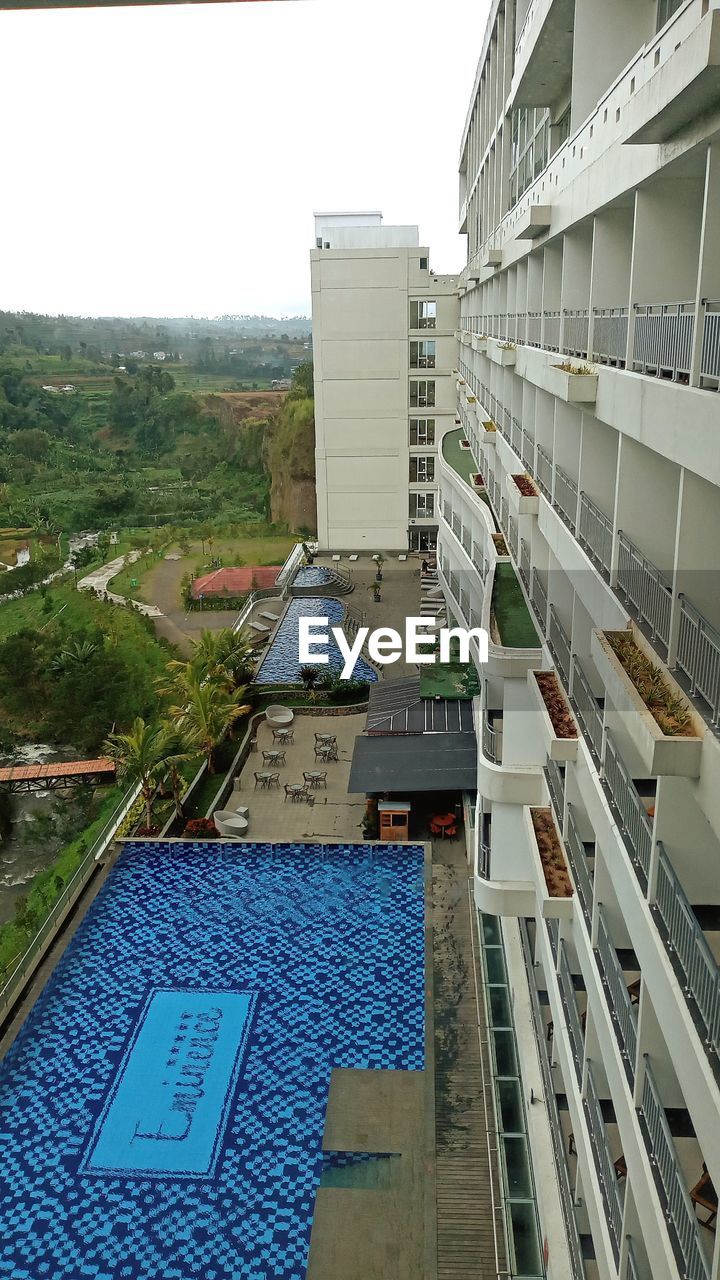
(201, 829)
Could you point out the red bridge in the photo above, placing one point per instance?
(54, 777)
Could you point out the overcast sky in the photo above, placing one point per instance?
(167, 161)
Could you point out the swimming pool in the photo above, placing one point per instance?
(312, 575)
(281, 663)
(258, 968)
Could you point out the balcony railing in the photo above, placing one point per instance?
(686, 941)
(534, 322)
(678, 1207)
(613, 980)
(575, 333)
(632, 1266)
(595, 532)
(710, 355)
(520, 326)
(664, 338)
(635, 824)
(555, 779)
(538, 599)
(570, 1009)
(512, 537)
(559, 645)
(604, 1166)
(504, 510)
(589, 712)
(579, 866)
(525, 563)
(565, 498)
(553, 929)
(544, 470)
(698, 656)
(489, 741)
(644, 588)
(527, 450)
(516, 436)
(551, 330)
(610, 331)
(553, 1115)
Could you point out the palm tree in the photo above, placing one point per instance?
(74, 658)
(178, 745)
(224, 656)
(208, 711)
(138, 757)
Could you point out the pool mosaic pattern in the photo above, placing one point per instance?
(281, 664)
(313, 575)
(328, 943)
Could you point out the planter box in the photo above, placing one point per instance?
(489, 433)
(500, 354)
(660, 754)
(560, 749)
(458, 335)
(533, 222)
(477, 488)
(466, 338)
(491, 258)
(521, 504)
(574, 388)
(551, 907)
(479, 342)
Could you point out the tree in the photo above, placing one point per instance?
(139, 758)
(33, 444)
(208, 711)
(177, 746)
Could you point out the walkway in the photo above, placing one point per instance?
(98, 580)
(467, 1174)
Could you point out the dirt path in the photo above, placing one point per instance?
(163, 586)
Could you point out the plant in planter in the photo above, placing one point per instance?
(489, 426)
(526, 486)
(478, 480)
(200, 829)
(568, 367)
(666, 707)
(464, 444)
(500, 544)
(309, 676)
(558, 710)
(557, 877)
(506, 346)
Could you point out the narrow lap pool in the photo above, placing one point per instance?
(281, 663)
(162, 1110)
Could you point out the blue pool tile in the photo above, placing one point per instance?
(281, 662)
(327, 941)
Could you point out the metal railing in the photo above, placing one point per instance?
(520, 326)
(512, 536)
(551, 330)
(685, 939)
(555, 779)
(632, 1272)
(635, 824)
(577, 857)
(575, 333)
(663, 338)
(610, 333)
(565, 496)
(570, 1009)
(710, 354)
(553, 1115)
(677, 1204)
(595, 532)
(645, 588)
(489, 741)
(559, 643)
(589, 712)
(516, 436)
(698, 656)
(544, 471)
(553, 930)
(525, 562)
(604, 1166)
(18, 969)
(527, 450)
(483, 860)
(504, 514)
(619, 1004)
(534, 322)
(538, 598)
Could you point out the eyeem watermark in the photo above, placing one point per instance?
(386, 645)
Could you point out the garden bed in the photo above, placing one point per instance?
(560, 730)
(556, 881)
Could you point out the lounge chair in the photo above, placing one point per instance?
(353, 558)
(279, 717)
(268, 616)
(260, 628)
(230, 824)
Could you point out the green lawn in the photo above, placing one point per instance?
(461, 460)
(512, 616)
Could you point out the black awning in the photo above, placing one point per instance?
(395, 706)
(442, 762)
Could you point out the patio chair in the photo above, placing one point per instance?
(705, 1195)
(316, 780)
(230, 824)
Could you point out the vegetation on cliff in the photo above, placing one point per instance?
(290, 455)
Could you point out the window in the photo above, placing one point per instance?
(423, 264)
(422, 355)
(666, 9)
(422, 395)
(423, 315)
(422, 470)
(530, 148)
(422, 430)
(422, 506)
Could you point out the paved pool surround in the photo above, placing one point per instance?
(162, 1109)
(281, 663)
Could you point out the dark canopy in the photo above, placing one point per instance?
(429, 762)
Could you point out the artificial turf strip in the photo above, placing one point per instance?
(514, 623)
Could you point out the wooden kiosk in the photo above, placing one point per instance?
(394, 820)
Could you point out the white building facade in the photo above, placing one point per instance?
(589, 358)
(384, 350)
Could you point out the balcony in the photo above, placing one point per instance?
(559, 730)
(604, 1164)
(698, 657)
(686, 80)
(619, 1000)
(590, 713)
(595, 533)
(689, 951)
(579, 851)
(559, 643)
(683, 1226)
(573, 1021)
(647, 702)
(635, 821)
(645, 588)
(575, 333)
(523, 495)
(565, 497)
(610, 336)
(663, 339)
(555, 780)
(554, 888)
